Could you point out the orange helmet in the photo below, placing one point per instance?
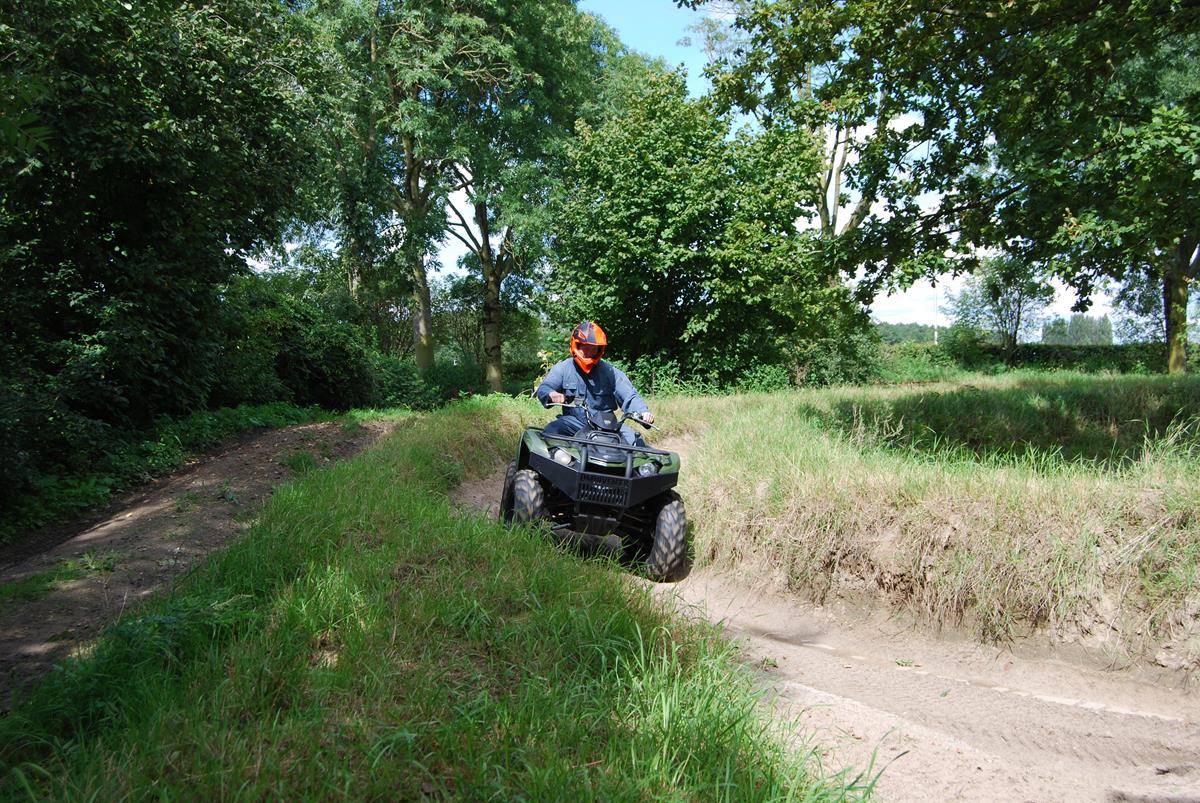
(587, 345)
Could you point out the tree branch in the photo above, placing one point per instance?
(462, 223)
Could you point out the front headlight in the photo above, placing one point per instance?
(648, 468)
(562, 456)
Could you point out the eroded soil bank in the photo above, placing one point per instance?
(145, 539)
(942, 717)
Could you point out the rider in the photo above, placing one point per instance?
(602, 385)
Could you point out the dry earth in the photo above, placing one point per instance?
(147, 538)
(941, 718)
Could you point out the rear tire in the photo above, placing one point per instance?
(506, 493)
(668, 548)
(528, 497)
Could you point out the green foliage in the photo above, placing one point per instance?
(1061, 132)
(850, 358)
(281, 345)
(400, 384)
(661, 375)
(765, 378)
(904, 332)
(679, 237)
(1080, 330)
(1136, 358)
(153, 186)
(916, 362)
(1006, 298)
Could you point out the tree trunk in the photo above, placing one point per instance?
(492, 265)
(491, 329)
(1176, 283)
(423, 319)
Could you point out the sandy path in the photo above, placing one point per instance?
(955, 720)
(147, 538)
(946, 719)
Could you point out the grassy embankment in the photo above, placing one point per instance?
(362, 642)
(1010, 503)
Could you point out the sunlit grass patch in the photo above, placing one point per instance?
(39, 584)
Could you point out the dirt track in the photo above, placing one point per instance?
(945, 719)
(146, 538)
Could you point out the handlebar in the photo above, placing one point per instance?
(579, 405)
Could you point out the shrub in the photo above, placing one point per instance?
(399, 384)
(764, 378)
(851, 359)
(660, 375)
(280, 346)
(914, 362)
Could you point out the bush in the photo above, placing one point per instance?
(1125, 358)
(914, 362)
(968, 346)
(399, 384)
(279, 346)
(660, 375)
(765, 378)
(970, 349)
(851, 359)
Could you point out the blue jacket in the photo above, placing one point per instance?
(605, 388)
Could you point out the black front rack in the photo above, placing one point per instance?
(620, 446)
(628, 449)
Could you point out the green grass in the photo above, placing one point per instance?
(1007, 504)
(1035, 418)
(361, 642)
(38, 585)
(299, 463)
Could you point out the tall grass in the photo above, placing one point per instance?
(363, 642)
(1011, 504)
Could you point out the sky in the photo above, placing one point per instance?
(657, 28)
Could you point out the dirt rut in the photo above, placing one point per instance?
(940, 719)
(146, 538)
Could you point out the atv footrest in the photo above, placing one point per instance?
(603, 489)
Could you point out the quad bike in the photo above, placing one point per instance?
(596, 484)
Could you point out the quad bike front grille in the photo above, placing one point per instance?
(603, 490)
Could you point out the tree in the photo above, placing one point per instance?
(1080, 330)
(1054, 333)
(852, 130)
(508, 140)
(459, 320)
(680, 238)
(411, 73)
(1139, 306)
(904, 332)
(1012, 126)
(1005, 298)
(175, 140)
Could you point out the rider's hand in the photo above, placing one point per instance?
(556, 397)
(647, 417)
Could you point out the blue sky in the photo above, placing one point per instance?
(655, 27)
